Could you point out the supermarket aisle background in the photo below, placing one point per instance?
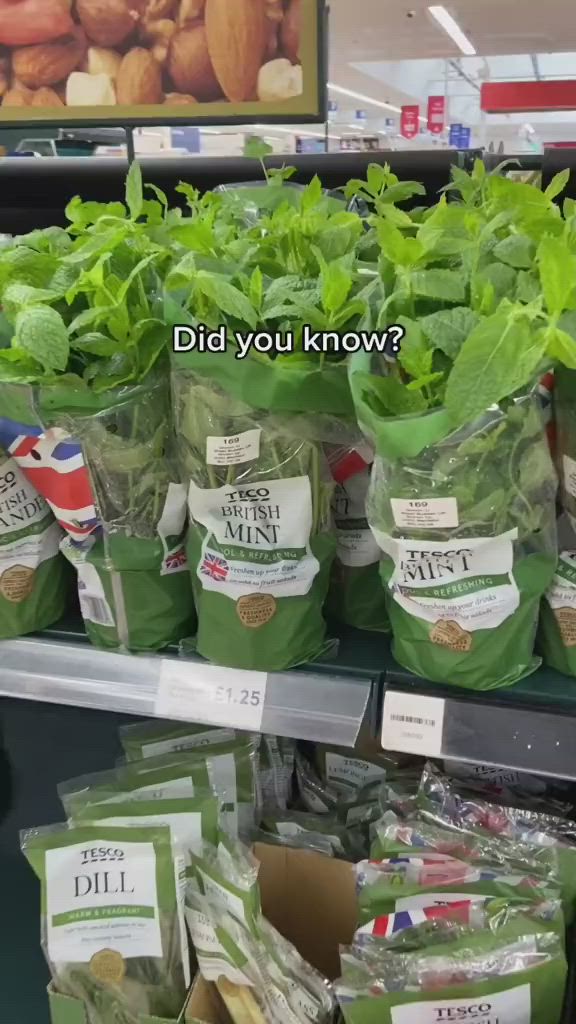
(41, 745)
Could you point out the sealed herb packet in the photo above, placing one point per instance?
(112, 918)
(33, 575)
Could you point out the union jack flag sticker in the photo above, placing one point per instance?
(175, 560)
(214, 567)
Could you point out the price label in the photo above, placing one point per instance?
(431, 514)
(207, 693)
(413, 724)
(235, 449)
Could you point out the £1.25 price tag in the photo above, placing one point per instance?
(413, 724)
(196, 692)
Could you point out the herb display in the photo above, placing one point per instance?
(463, 487)
(252, 430)
(86, 374)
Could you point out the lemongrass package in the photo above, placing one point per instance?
(112, 918)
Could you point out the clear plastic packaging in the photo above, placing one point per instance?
(468, 533)
(117, 973)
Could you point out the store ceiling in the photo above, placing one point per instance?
(394, 52)
(382, 29)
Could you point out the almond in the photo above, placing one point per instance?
(4, 75)
(139, 80)
(108, 22)
(156, 9)
(46, 97)
(47, 63)
(291, 31)
(17, 98)
(101, 61)
(237, 38)
(190, 10)
(179, 99)
(189, 64)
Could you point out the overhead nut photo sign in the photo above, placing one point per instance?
(130, 62)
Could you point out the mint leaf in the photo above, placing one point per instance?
(41, 331)
(226, 297)
(527, 287)
(336, 285)
(257, 149)
(562, 347)
(557, 274)
(517, 251)
(446, 285)
(135, 190)
(256, 288)
(558, 184)
(448, 328)
(387, 396)
(95, 344)
(312, 194)
(416, 354)
(500, 356)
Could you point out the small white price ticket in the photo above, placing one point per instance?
(235, 449)
(413, 724)
(195, 692)
(430, 514)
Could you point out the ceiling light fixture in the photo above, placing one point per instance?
(294, 131)
(366, 99)
(452, 28)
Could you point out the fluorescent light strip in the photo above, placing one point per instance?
(452, 28)
(367, 99)
(294, 131)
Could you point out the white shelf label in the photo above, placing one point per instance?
(235, 449)
(412, 724)
(207, 693)
(433, 514)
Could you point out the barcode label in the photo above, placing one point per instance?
(413, 724)
(96, 610)
(411, 720)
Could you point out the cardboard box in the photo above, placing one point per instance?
(309, 898)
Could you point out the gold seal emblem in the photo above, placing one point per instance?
(108, 966)
(17, 583)
(566, 619)
(256, 610)
(448, 633)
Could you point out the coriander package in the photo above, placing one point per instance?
(112, 917)
(33, 575)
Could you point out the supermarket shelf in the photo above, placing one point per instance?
(530, 726)
(326, 701)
